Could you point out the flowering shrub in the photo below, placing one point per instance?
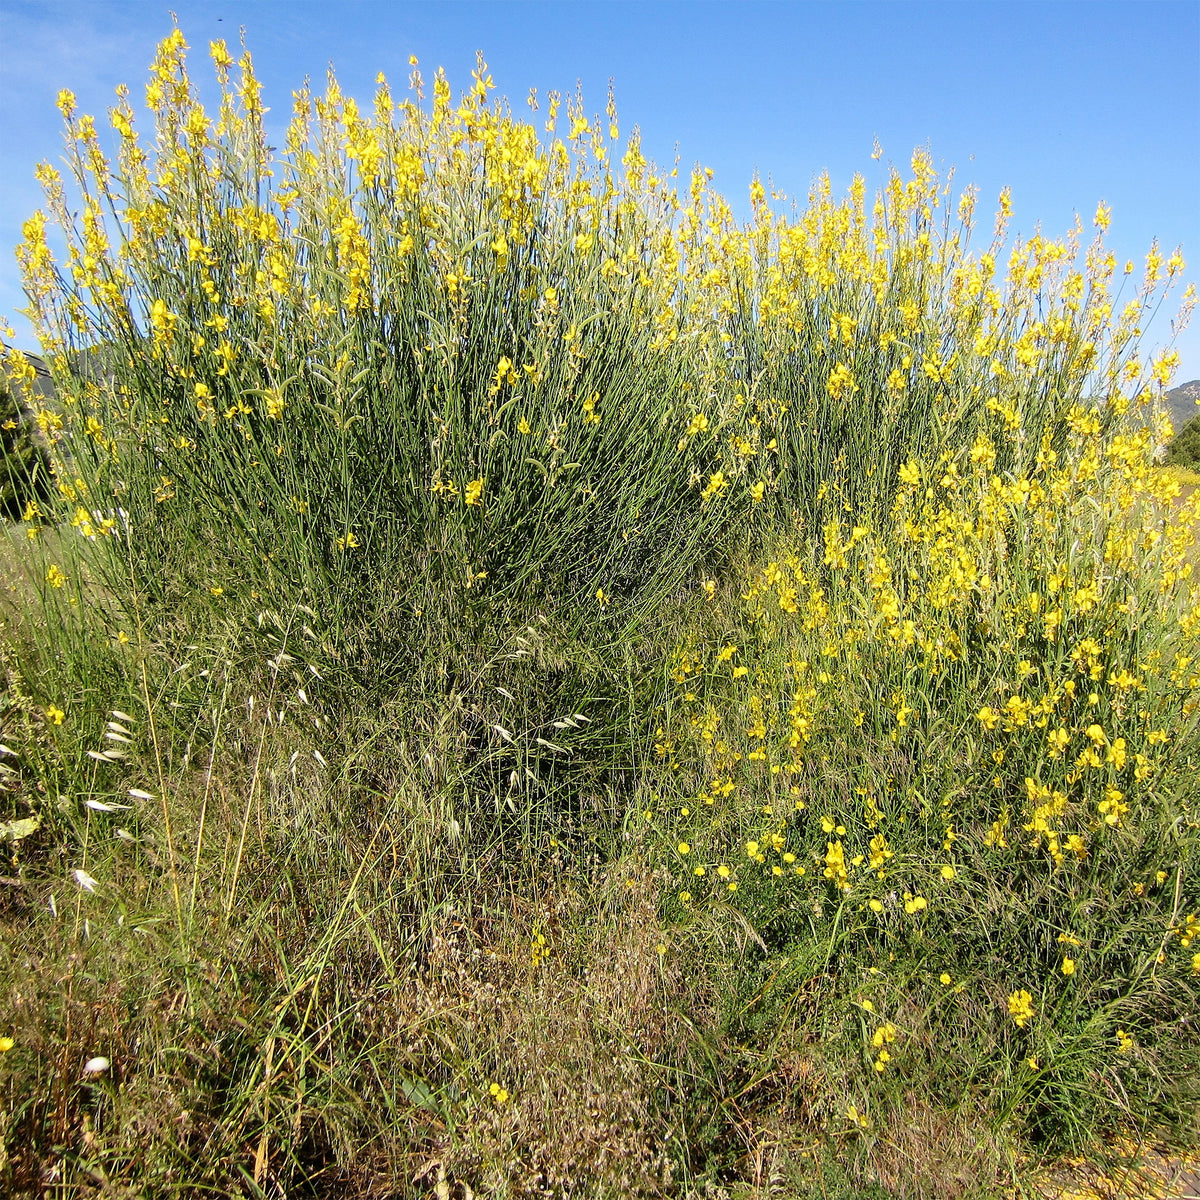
(434, 343)
(459, 406)
(422, 345)
(957, 749)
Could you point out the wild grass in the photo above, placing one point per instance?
(527, 685)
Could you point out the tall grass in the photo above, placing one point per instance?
(524, 682)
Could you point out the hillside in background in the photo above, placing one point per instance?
(1181, 401)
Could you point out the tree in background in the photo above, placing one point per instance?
(1184, 450)
(24, 469)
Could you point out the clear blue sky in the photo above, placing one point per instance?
(1068, 102)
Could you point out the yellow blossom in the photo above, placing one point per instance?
(1020, 1007)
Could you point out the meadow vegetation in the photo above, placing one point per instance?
(523, 683)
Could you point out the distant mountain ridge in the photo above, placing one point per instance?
(1181, 403)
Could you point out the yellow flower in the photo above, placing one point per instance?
(884, 1034)
(6, 1044)
(474, 492)
(55, 577)
(684, 848)
(1112, 808)
(995, 835)
(162, 318)
(602, 597)
(54, 715)
(841, 381)
(948, 873)
(944, 979)
(835, 865)
(1124, 1041)
(1020, 1007)
(1068, 966)
(506, 372)
(988, 717)
(716, 485)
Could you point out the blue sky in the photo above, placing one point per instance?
(1068, 102)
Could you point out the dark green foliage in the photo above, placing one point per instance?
(1184, 450)
(24, 470)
